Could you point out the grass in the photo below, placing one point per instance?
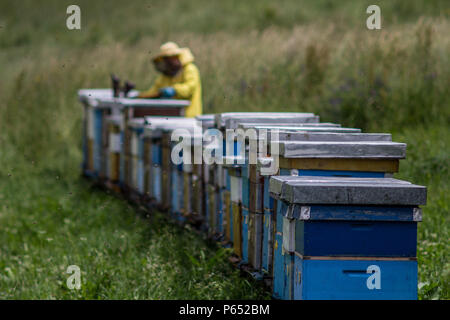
(288, 56)
(51, 221)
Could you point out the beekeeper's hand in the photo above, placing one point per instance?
(167, 92)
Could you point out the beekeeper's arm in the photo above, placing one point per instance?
(154, 91)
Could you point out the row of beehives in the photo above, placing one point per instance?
(331, 223)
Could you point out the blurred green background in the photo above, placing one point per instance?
(254, 55)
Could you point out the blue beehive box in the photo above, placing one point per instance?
(155, 170)
(354, 279)
(347, 238)
(187, 128)
(245, 218)
(153, 131)
(332, 160)
(191, 178)
(113, 149)
(95, 114)
(316, 165)
(99, 105)
(206, 196)
(135, 155)
(234, 204)
(177, 193)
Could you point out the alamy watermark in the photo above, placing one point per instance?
(73, 22)
(374, 20)
(239, 146)
(374, 280)
(74, 281)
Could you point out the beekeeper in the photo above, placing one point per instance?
(179, 79)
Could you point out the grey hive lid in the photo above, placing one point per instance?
(316, 134)
(309, 129)
(326, 135)
(103, 93)
(333, 136)
(169, 120)
(191, 128)
(206, 117)
(206, 120)
(92, 96)
(276, 182)
(342, 149)
(103, 98)
(347, 191)
(271, 125)
(222, 118)
(127, 102)
(168, 123)
(329, 136)
(285, 119)
(84, 94)
(162, 122)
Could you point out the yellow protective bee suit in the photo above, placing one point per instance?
(186, 84)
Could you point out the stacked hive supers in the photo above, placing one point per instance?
(317, 212)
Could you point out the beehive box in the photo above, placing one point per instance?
(315, 167)
(114, 148)
(198, 199)
(268, 232)
(99, 104)
(228, 218)
(329, 168)
(232, 119)
(201, 177)
(253, 190)
(305, 132)
(131, 109)
(192, 178)
(358, 234)
(181, 192)
(224, 122)
(159, 162)
(233, 199)
(212, 195)
(177, 192)
(212, 208)
(134, 156)
(94, 127)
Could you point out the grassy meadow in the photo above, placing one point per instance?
(254, 55)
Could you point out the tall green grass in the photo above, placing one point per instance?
(51, 219)
(253, 55)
